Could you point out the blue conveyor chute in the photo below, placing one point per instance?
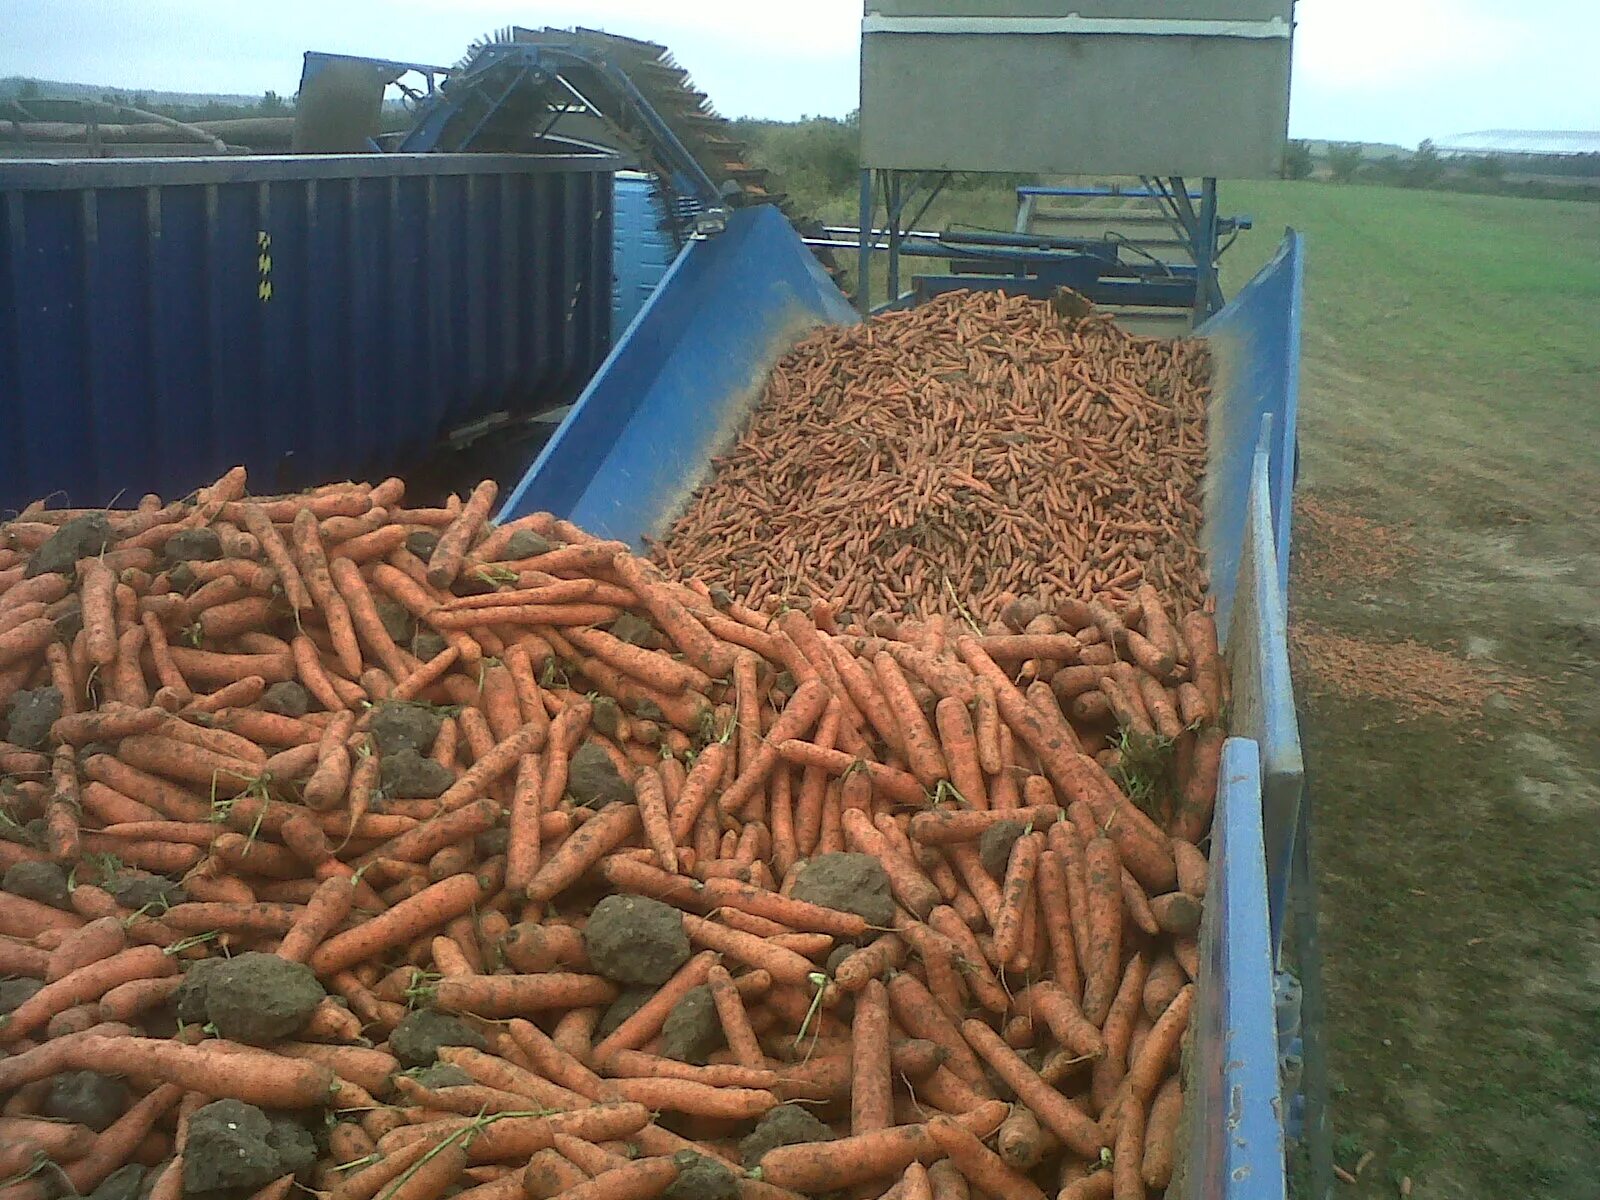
(677, 387)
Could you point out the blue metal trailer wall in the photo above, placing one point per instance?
(311, 317)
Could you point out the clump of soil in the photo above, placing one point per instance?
(81, 537)
(525, 543)
(422, 543)
(994, 846)
(260, 998)
(633, 939)
(87, 1097)
(593, 780)
(14, 991)
(406, 773)
(854, 883)
(287, 699)
(397, 726)
(692, 1032)
(193, 545)
(624, 1006)
(701, 1178)
(397, 620)
(140, 889)
(233, 1145)
(636, 631)
(125, 1183)
(606, 715)
(30, 715)
(428, 644)
(416, 1040)
(443, 1075)
(42, 881)
(190, 1001)
(785, 1125)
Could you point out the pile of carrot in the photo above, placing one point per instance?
(1014, 1028)
(935, 459)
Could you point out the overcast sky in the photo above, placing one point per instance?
(1375, 70)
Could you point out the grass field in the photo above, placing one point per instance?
(1452, 349)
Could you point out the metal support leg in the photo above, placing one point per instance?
(864, 253)
(895, 235)
(1208, 292)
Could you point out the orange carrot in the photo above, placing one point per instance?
(1074, 1129)
(826, 1166)
(450, 552)
(983, 1168)
(585, 847)
(500, 996)
(803, 711)
(428, 909)
(1117, 1030)
(1161, 1135)
(642, 1179)
(647, 1020)
(1104, 949)
(916, 736)
(1017, 896)
(872, 1085)
(96, 591)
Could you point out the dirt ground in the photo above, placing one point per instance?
(1456, 776)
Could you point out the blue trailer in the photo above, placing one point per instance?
(677, 386)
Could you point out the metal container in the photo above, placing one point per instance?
(1114, 87)
(312, 318)
(644, 248)
(679, 384)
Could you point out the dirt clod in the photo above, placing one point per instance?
(406, 773)
(636, 940)
(994, 847)
(624, 1006)
(701, 1178)
(190, 1001)
(692, 1032)
(606, 715)
(397, 620)
(81, 537)
(14, 991)
(422, 543)
(416, 1040)
(854, 883)
(125, 1183)
(193, 545)
(593, 780)
(140, 889)
(236, 1145)
(41, 881)
(399, 726)
(525, 543)
(260, 998)
(636, 631)
(288, 699)
(30, 715)
(785, 1125)
(443, 1075)
(87, 1097)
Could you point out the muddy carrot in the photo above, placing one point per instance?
(826, 1166)
(871, 1101)
(983, 1168)
(432, 907)
(585, 847)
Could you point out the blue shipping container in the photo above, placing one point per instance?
(310, 317)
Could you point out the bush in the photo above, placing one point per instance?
(1426, 168)
(1344, 160)
(1297, 160)
(1489, 166)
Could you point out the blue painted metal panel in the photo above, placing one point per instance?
(1263, 692)
(1255, 341)
(311, 317)
(695, 360)
(643, 252)
(1235, 1124)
